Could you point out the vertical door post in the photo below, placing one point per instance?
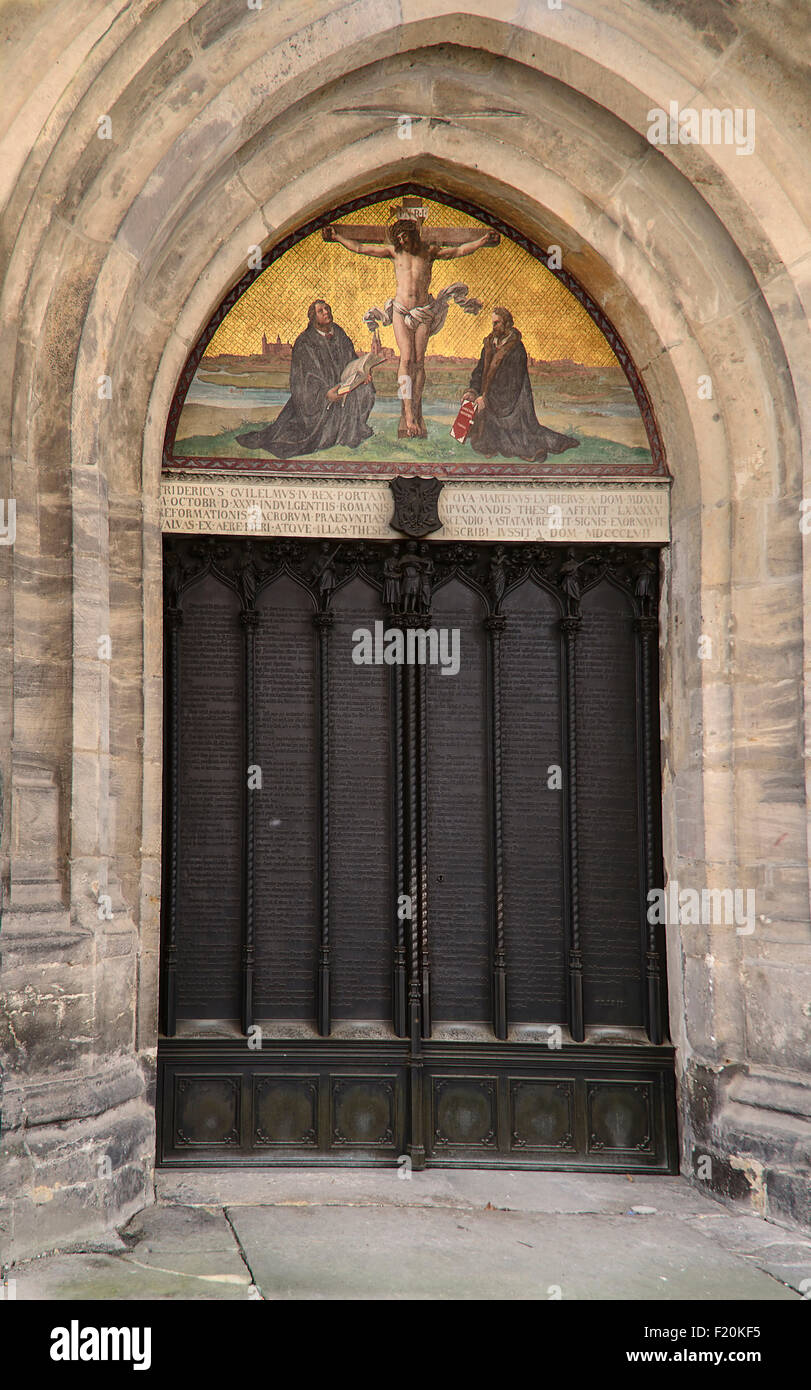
(495, 625)
(174, 620)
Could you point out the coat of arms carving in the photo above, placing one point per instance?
(416, 501)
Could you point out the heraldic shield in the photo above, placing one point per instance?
(416, 505)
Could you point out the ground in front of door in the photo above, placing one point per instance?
(457, 1234)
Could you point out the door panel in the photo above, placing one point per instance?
(286, 804)
(360, 797)
(607, 799)
(211, 760)
(533, 802)
(458, 815)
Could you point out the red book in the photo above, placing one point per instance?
(460, 429)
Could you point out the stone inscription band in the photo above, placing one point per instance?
(579, 512)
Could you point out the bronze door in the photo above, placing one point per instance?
(411, 823)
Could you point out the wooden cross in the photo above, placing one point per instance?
(413, 210)
(447, 243)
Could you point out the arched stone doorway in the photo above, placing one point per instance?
(405, 935)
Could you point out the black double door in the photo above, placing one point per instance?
(411, 822)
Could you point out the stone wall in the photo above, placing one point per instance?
(229, 127)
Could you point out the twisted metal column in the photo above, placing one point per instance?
(570, 627)
(422, 858)
(647, 629)
(416, 1146)
(323, 622)
(402, 888)
(249, 618)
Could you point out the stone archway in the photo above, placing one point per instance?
(121, 250)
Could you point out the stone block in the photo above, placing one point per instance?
(76, 1212)
(36, 834)
(773, 819)
(43, 1024)
(148, 987)
(230, 216)
(783, 538)
(788, 1194)
(766, 718)
(165, 92)
(213, 134)
(91, 720)
(717, 1173)
(778, 1014)
(114, 1020)
(126, 736)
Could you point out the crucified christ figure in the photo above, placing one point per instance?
(415, 314)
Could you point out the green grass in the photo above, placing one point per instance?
(384, 446)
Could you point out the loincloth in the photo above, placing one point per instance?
(433, 312)
(421, 313)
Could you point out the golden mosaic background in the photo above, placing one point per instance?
(552, 322)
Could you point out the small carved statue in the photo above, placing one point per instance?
(498, 578)
(325, 575)
(645, 582)
(411, 571)
(569, 581)
(173, 579)
(248, 577)
(391, 579)
(426, 578)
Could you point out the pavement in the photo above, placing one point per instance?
(221, 1234)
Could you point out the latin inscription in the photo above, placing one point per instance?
(532, 810)
(285, 807)
(458, 849)
(360, 797)
(607, 808)
(211, 762)
(469, 511)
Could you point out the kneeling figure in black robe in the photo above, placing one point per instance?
(315, 417)
(505, 421)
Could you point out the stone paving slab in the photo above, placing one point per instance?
(124, 1278)
(795, 1276)
(331, 1252)
(783, 1253)
(167, 1252)
(190, 1229)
